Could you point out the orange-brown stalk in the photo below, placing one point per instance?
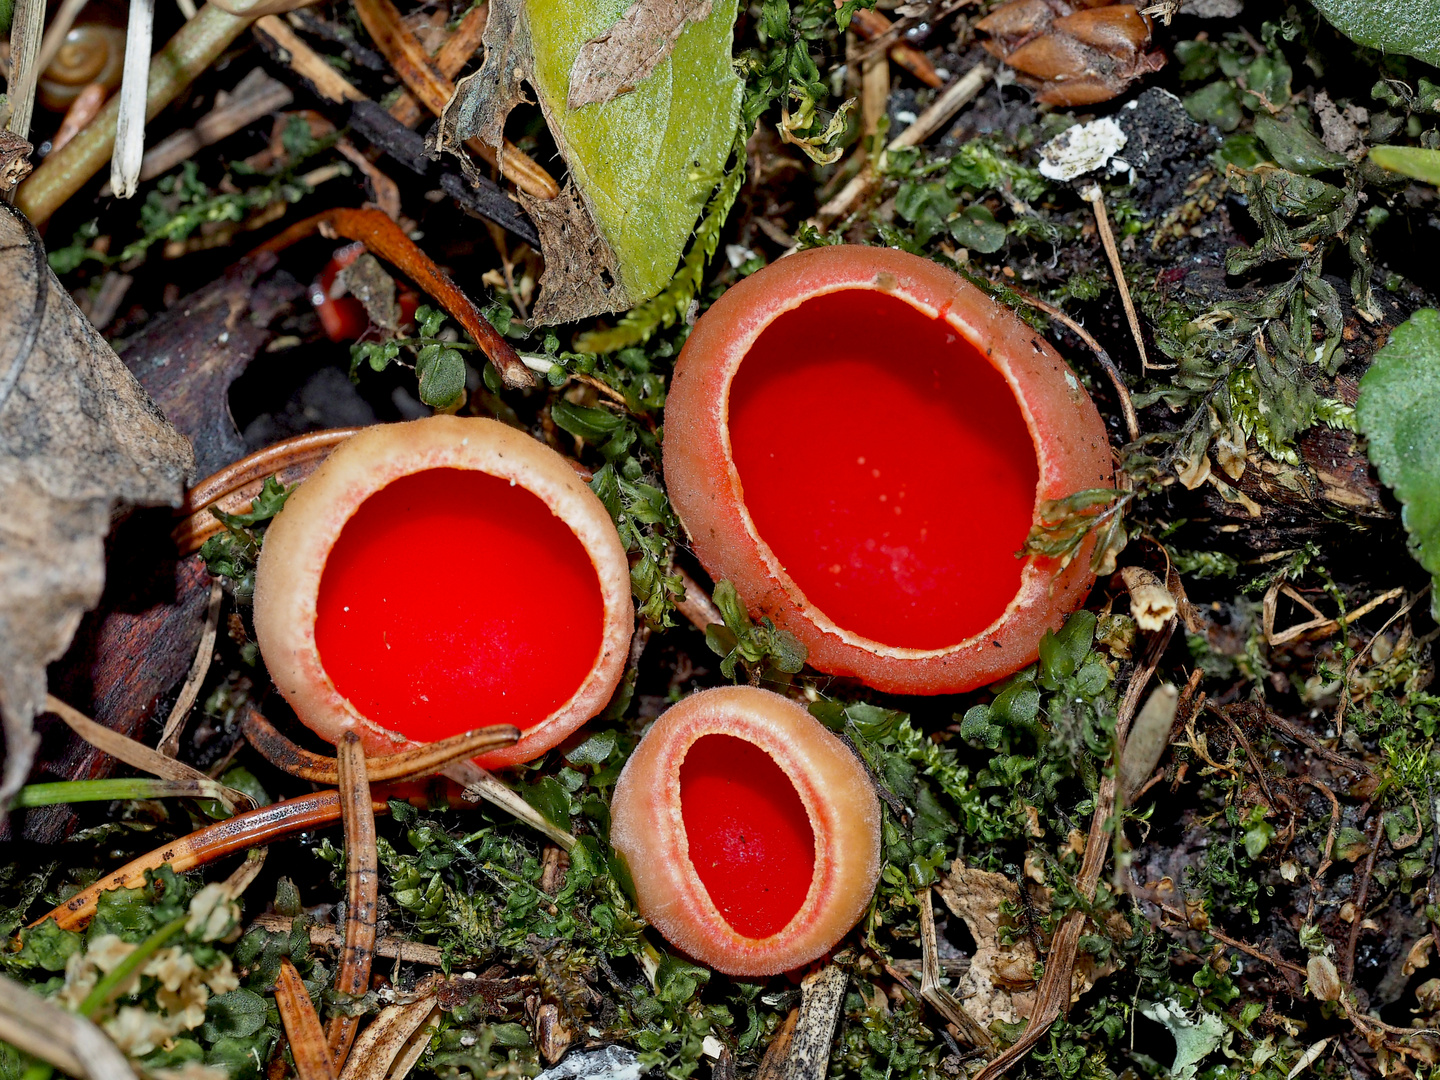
(302, 1026)
(362, 891)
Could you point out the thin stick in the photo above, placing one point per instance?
(302, 1026)
(129, 152)
(137, 754)
(696, 604)
(1096, 198)
(362, 896)
(56, 32)
(1132, 423)
(1362, 893)
(940, 112)
(307, 63)
(169, 744)
(240, 833)
(26, 31)
(940, 999)
(459, 47)
(256, 95)
(392, 948)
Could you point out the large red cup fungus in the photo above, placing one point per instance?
(858, 439)
(751, 832)
(440, 575)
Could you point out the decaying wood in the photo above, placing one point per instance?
(450, 61)
(302, 1026)
(306, 62)
(420, 760)
(807, 1048)
(187, 357)
(14, 161)
(616, 61)
(392, 948)
(27, 29)
(362, 892)
(772, 1066)
(77, 437)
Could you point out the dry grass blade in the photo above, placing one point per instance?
(362, 891)
(391, 948)
(940, 999)
(386, 1037)
(422, 760)
(169, 744)
(1096, 198)
(302, 1026)
(480, 784)
(137, 754)
(459, 47)
(69, 1042)
(237, 834)
(129, 151)
(26, 32)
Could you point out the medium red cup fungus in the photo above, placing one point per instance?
(441, 575)
(343, 317)
(858, 439)
(751, 832)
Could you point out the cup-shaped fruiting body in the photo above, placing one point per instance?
(441, 575)
(751, 832)
(860, 441)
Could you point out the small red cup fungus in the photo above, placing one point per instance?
(342, 317)
(440, 575)
(859, 440)
(751, 832)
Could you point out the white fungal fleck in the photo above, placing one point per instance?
(1079, 149)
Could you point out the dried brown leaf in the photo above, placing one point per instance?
(613, 63)
(1000, 984)
(78, 436)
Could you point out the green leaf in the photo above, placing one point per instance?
(641, 165)
(442, 376)
(1295, 147)
(1216, 104)
(585, 422)
(47, 946)
(976, 228)
(238, 1014)
(1397, 410)
(552, 800)
(1413, 161)
(1411, 27)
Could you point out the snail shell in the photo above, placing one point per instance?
(91, 53)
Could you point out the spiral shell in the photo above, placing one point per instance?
(91, 53)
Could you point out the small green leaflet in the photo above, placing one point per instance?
(1415, 162)
(1397, 411)
(1411, 27)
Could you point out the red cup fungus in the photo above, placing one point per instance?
(751, 832)
(858, 440)
(440, 575)
(342, 317)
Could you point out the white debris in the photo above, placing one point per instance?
(1079, 149)
(608, 1063)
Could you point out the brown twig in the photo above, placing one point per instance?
(423, 79)
(383, 237)
(459, 47)
(420, 760)
(1362, 893)
(1122, 392)
(392, 948)
(240, 833)
(1289, 730)
(696, 605)
(307, 63)
(362, 891)
(302, 1027)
